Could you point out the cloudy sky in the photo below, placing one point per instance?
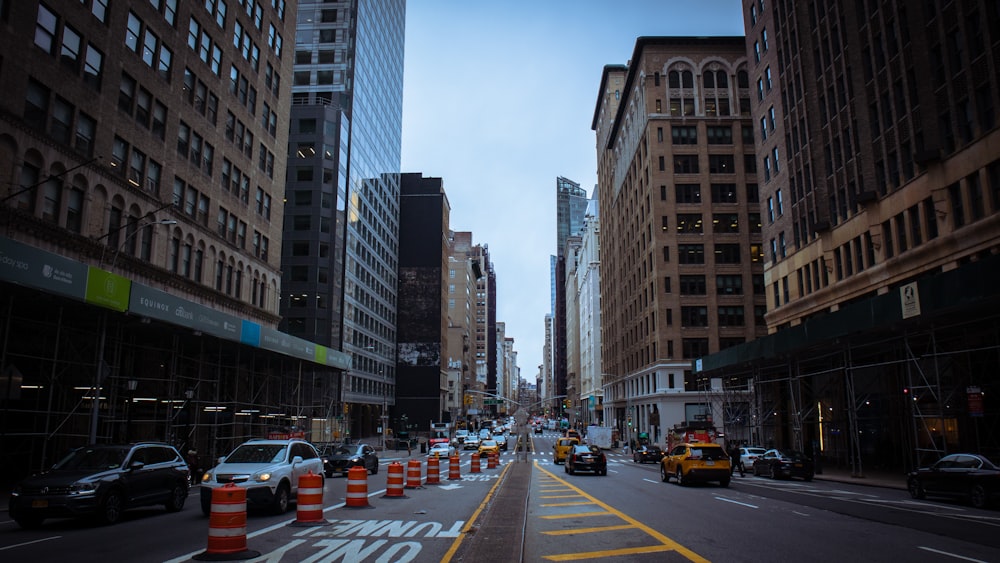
(498, 102)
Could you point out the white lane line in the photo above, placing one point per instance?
(955, 555)
(724, 499)
(28, 543)
(650, 481)
(800, 513)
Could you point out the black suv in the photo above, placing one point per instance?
(103, 480)
(340, 458)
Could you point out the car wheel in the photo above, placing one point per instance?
(27, 521)
(724, 482)
(375, 469)
(604, 471)
(756, 472)
(328, 474)
(111, 509)
(206, 506)
(680, 477)
(808, 478)
(978, 496)
(664, 476)
(177, 497)
(565, 469)
(281, 499)
(773, 473)
(916, 488)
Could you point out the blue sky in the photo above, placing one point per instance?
(498, 99)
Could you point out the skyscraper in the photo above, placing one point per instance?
(346, 127)
(571, 205)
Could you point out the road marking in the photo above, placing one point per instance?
(800, 513)
(468, 526)
(588, 530)
(956, 556)
(736, 502)
(667, 543)
(576, 515)
(568, 503)
(650, 481)
(28, 543)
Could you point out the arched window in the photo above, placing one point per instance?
(674, 79)
(687, 79)
(721, 79)
(742, 79)
(709, 79)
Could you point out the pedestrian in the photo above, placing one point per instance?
(735, 460)
(194, 466)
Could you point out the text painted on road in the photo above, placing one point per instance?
(361, 540)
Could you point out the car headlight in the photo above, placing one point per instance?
(263, 477)
(83, 488)
(355, 460)
(206, 477)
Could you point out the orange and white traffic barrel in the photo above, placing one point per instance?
(454, 470)
(491, 460)
(309, 503)
(414, 474)
(394, 482)
(227, 526)
(433, 470)
(357, 487)
(476, 466)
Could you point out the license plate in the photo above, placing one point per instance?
(39, 504)
(798, 465)
(710, 462)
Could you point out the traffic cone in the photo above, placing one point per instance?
(394, 482)
(227, 526)
(491, 460)
(413, 474)
(433, 470)
(476, 466)
(309, 503)
(357, 488)
(454, 469)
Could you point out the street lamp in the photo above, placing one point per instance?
(131, 384)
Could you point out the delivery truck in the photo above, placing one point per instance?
(600, 436)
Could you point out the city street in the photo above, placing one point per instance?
(628, 515)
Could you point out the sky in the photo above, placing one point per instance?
(498, 99)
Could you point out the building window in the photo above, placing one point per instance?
(691, 253)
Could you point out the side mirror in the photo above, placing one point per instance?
(136, 466)
(297, 460)
(222, 459)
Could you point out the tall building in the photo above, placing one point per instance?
(463, 271)
(483, 330)
(587, 273)
(571, 204)
(876, 130)
(422, 325)
(681, 256)
(143, 160)
(342, 221)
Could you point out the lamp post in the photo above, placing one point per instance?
(131, 384)
(100, 373)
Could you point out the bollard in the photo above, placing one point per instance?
(454, 470)
(309, 502)
(491, 460)
(433, 470)
(476, 465)
(413, 474)
(357, 488)
(227, 526)
(394, 483)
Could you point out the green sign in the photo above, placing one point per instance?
(492, 401)
(107, 289)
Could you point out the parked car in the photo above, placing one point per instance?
(645, 453)
(783, 463)
(749, 454)
(699, 462)
(538, 428)
(586, 458)
(562, 447)
(442, 450)
(340, 458)
(963, 475)
(268, 469)
(103, 481)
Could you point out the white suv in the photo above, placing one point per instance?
(268, 469)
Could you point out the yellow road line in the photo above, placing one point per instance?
(568, 503)
(588, 530)
(671, 544)
(608, 553)
(577, 515)
(468, 525)
(559, 496)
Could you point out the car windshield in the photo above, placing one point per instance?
(755, 451)
(93, 459)
(792, 455)
(257, 453)
(343, 450)
(708, 453)
(488, 443)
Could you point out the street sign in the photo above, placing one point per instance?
(492, 401)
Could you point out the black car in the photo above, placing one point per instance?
(966, 476)
(784, 463)
(538, 429)
(102, 481)
(340, 458)
(586, 458)
(642, 454)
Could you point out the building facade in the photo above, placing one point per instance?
(347, 93)
(571, 204)
(876, 132)
(682, 261)
(144, 157)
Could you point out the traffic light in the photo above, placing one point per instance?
(630, 422)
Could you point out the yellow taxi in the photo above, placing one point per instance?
(562, 448)
(489, 447)
(697, 462)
